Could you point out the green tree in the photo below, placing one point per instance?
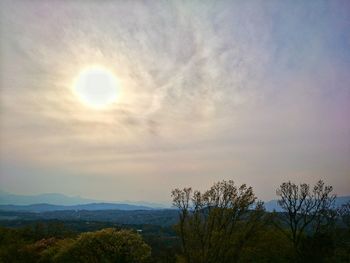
(107, 245)
(268, 245)
(214, 226)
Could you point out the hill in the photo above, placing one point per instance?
(273, 205)
(64, 200)
(87, 207)
(49, 198)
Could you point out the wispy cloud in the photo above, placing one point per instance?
(248, 89)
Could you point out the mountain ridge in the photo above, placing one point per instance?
(65, 200)
(59, 202)
(43, 207)
(272, 205)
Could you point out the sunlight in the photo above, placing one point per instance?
(96, 87)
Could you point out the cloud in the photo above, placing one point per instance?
(234, 87)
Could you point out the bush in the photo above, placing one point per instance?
(107, 245)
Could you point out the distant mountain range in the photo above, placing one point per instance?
(64, 200)
(60, 202)
(273, 205)
(52, 198)
(87, 207)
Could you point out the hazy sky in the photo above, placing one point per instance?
(254, 91)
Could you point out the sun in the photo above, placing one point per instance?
(97, 87)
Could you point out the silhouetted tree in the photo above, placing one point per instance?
(214, 226)
(305, 209)
(344, 213)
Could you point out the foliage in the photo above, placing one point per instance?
(223, 224)
(267, 245)
(107, 245)
(26, 244)
(215, 226)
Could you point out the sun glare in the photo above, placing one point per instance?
(97, 87)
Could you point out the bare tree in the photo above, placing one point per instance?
(181, 199)
(305, 207)
(215, 225)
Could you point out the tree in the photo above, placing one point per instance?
(305, 209)
(107, 245)
(268, 245)
(344, 214)
(215, 225)
(342, 234)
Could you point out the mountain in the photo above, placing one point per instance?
(273, 205)
(51, 198)
(87, 207)
(61, 199)
(149, 204)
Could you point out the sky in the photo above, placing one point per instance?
(253, 91)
